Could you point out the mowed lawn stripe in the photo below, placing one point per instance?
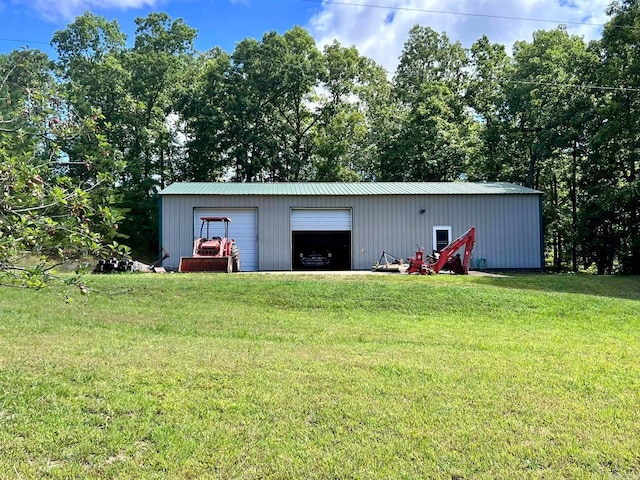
(282, 376)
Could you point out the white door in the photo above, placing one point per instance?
(320, 219)
(243, 228)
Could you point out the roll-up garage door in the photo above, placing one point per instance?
(321, 239)
(320, 219)
(243, 229)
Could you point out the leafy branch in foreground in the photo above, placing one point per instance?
(57, 173)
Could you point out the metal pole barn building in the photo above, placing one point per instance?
(275, 225)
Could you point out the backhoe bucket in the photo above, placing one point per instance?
(206, 264)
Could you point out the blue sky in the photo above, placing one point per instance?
(219, 23)
(378, 28)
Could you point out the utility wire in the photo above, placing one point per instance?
(575, 85)
(445, 12)
(465, 14)
(503, 17)
(22, 41)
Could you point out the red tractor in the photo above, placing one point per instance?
(447, 258)
(212, 253)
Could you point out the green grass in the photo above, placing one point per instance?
(303, 376)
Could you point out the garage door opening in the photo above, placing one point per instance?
(321, 250)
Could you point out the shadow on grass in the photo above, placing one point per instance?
(625, 287)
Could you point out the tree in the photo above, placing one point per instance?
(344, 149)
(136, 92)
(45, 214)
(538, 133)
(204, 107)
(427, 58)
(615, 161)
(162, 51)
(253, 115)
(252, 120)
(491, 66)
(436, 134)
(278, 77)
(90, 52)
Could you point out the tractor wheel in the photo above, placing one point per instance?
(235, 256)
(236, 264)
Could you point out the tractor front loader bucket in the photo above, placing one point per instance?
(206, 264)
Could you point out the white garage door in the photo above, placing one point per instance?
(320, 219)
(243, 228)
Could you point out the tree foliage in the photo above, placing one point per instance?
(435, 132)
(556, 114)
(136, 91)
(49, 214)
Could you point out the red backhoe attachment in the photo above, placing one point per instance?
(447, 258)
(212, 253)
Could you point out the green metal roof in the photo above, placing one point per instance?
(348, 189)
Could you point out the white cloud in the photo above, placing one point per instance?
(380, 33)
(68, 9)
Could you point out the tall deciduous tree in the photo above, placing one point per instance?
(45, 213)
(281, 73)
(257, 111)
(490, 67)
(89, 62)
(615, 164)
(136, 92)
(433, 143)
(205, 107)
(429, 57)
(546, 119)
(344, 146)
(162, 50)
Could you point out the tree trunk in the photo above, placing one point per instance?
(602, 254)
(557, 247)
(532, 167)
(574, 208)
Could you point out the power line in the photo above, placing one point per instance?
(22, 41)
(465, 14)
(503, 17)
(575, 85)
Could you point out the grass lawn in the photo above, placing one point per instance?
(310, 376)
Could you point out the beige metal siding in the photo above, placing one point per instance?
(507, 226)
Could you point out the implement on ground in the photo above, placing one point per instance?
(389, 263)
(447, 258)
(212, 253)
